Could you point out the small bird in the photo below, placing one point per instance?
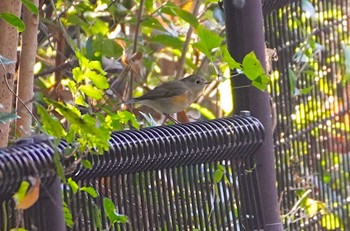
(173, 96)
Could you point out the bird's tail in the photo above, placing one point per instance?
(128, 102)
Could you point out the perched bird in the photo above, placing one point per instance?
(174, 96)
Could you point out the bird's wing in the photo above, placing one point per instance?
(165, 90)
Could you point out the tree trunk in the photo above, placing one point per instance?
(26, 72)
(8, 49)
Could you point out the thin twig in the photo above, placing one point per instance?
(19, 99)
(138, 24)
(158, 9)
(295, 208)
(72, 63)
(134, 49)
(181, 62)
(61, 27)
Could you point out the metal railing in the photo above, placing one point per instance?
(160, 177)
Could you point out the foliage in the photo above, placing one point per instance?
(112, 215)
(13, 20)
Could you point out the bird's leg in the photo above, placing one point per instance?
(171, 118)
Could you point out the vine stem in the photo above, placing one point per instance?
(20, 100)
(134, 49)
(181, 62)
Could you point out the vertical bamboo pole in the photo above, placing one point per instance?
(26, 72)
(8, 49)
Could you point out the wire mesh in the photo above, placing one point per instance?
(311, 102)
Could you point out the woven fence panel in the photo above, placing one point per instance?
(311, 102)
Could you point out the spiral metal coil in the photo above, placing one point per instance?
(139, 150)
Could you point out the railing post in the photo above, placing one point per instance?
(47, 213)
(244, 25)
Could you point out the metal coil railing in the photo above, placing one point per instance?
(178, 145)
(139, 150)
(17, 163)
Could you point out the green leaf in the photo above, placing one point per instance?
(218, 174)
(30, 6)
(346, 76)
(311, 207)
(72, 20)
(126, 117)
(72, 86)
(111, 49)
(7, 117)
(187, 16)
(97, 26)
(86, 163)
(96, 65)
(326, 178)
(292, 81)
(72, 114)
(67, 216)
(252, 67)
(91, 191)
(97, 216)
(91, 91)
(21, 192)
(306, 90)
(208, 40)
(167, 40)
(111, 213)
(80, 100)
(202, 47)
(50, 123)
(183, 14)
(85, 126)
(6, 61)
(100, 81)
(19, 229)
(78, 74)
(59, 167)
(149, 5)
(261, 82)
(226, 57)
(73, 185)
(254, 71)
(98, 46)
(13, 20)
(153, 23)
(221, 167)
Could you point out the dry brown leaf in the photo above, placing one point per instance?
(188, 5)
(31, 196)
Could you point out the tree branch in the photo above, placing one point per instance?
(180, 63)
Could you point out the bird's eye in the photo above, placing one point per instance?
(198, 81)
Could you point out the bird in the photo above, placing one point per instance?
(174, 96)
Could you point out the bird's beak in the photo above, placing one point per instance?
(208, 82)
